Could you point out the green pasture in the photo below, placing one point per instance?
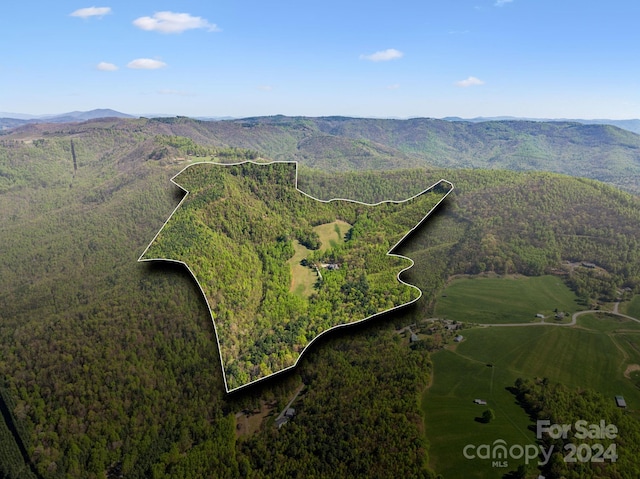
(450, 415)
(632, 308)
(332, 234)
(593, 354)
(506, 300)
(607, 323)
(304, 278)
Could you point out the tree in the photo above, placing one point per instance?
(488, 416)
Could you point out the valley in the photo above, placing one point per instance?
(112, 366)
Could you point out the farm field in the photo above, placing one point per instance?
(632, 308)
(594, 354)
(506, 300)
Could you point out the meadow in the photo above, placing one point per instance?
(303, 278)
(486, 300)
(332, 234)
(632, 308)
(594, 354)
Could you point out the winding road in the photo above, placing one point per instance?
(574, 318)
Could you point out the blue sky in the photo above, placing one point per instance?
(532, 58)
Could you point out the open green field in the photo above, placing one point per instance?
(505, 300)
(302, 277)
(332, 234)
(607, 323)
(632, 308)
(593, 354)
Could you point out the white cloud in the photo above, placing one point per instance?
(106, 67)
(91, 12)
(170, 22)
(146, 64)
(471, 81)
(383, 55)
(395, 86)
(501, 3)
(265, 87)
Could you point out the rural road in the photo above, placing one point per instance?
(574, 318)
(298, 391)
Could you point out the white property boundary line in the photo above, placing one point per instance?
(389, 253)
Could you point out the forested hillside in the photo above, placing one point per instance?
(510, 222)
(236, 231)
(601, 152)
(110, 367)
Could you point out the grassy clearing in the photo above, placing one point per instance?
(594, 354)
(632, 308)
(302, 277)
(607, 322)
(450, 415)
(332, 234)
(505, 300)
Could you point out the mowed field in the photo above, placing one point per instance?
(506, 300)
(594, 354)
(302, 277)
(632, 308)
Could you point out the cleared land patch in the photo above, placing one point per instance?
(607, 322)
(589, 355)
(303, 278)
(630, 369)
(506, 300)
(632, 308)
(332, 234)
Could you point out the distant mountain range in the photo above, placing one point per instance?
(12, 120)
(603, 152)
(630, 125)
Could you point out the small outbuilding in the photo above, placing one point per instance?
(620, 402)
(541, 316)
(480, 402)
(458, 338)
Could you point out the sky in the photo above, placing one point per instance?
(391, 59)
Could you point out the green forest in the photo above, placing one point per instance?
(235, 232)
(110, 367)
